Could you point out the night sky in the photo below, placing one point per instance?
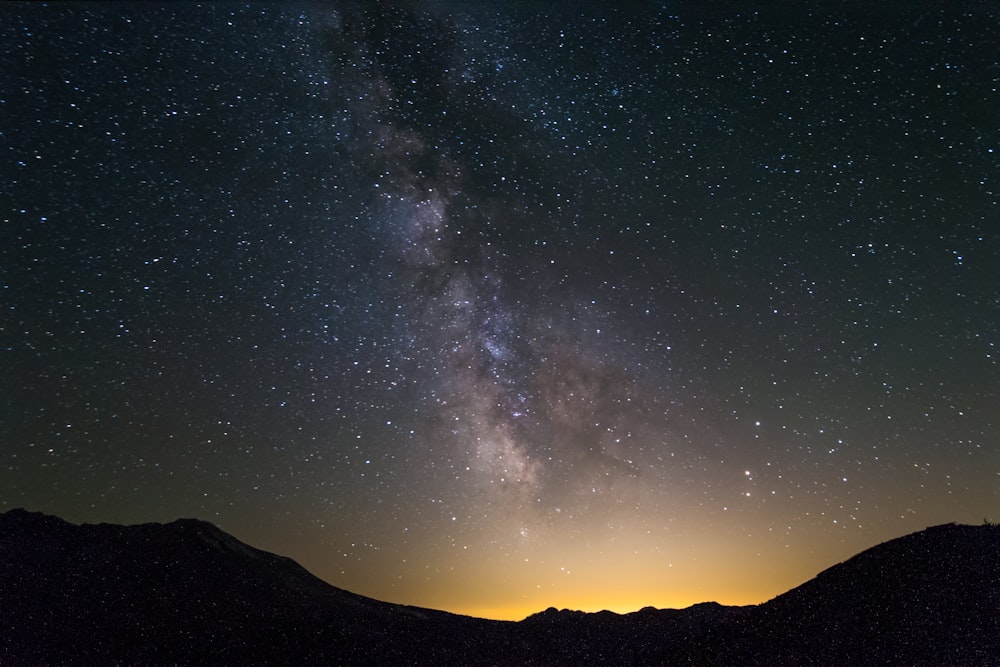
(489, 307)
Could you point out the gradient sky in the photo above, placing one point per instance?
(490, 308)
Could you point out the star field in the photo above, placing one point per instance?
(491, 308)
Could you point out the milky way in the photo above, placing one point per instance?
(492, 308)
(526, 403)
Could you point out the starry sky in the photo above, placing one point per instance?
(490, 307)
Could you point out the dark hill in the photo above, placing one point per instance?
(188, 593)
(931, 597)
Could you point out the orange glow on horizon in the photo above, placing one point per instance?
(621, 571)
(593, 566)
(618, 605)
(611, 595)
(617, 579)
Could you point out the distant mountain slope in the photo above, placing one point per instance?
(188, 593)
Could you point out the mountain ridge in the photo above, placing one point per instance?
(186, 592)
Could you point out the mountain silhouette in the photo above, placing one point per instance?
(188, 593)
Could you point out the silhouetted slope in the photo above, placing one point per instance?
(931, 598)
(188, 593)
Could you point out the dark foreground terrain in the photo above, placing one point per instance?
(188, 593)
